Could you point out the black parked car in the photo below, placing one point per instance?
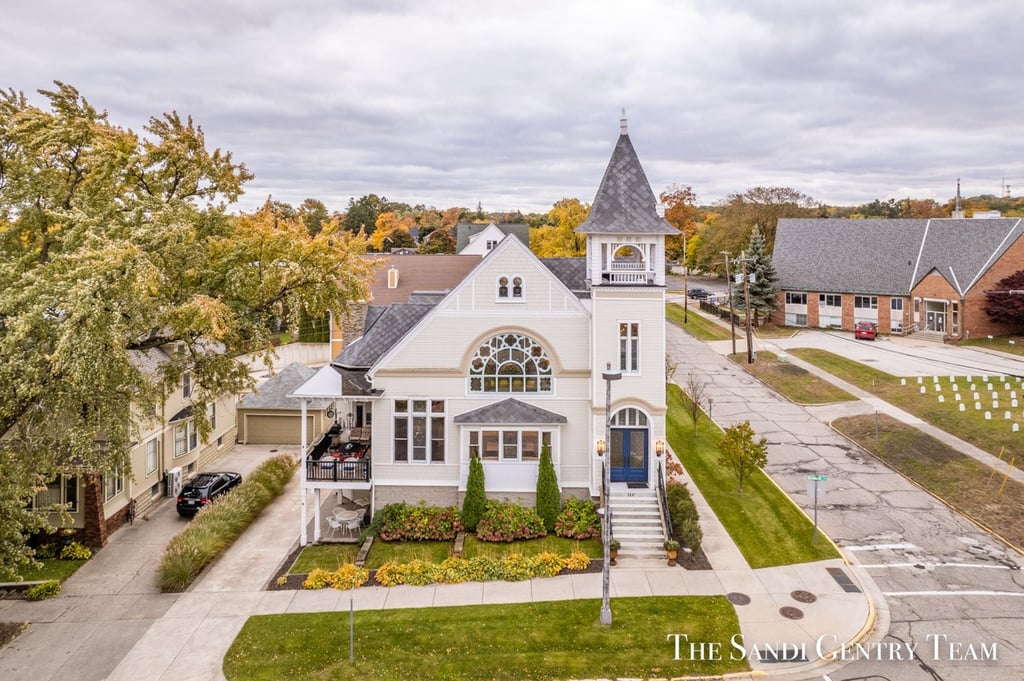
(698, 293)
(204, 488)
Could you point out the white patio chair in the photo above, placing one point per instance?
(334, 524)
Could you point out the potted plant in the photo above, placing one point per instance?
(671, 548)
(613, 550)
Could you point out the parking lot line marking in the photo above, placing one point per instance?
(879, 547)
(955, 565)
(953, 593)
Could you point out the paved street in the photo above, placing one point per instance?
(940, 574)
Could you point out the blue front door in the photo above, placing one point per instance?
(629, 455)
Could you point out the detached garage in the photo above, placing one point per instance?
(269, 416)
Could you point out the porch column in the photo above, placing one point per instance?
(303, 538)
(316, 514)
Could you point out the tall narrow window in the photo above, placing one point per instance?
(186, 384)
(629, 347)
(419, 431)
(151, 455)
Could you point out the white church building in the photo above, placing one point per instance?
(506, 361)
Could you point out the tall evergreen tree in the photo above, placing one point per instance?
(549, 498)
(762, 277)
(475, 502)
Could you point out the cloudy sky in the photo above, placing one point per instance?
(516, 104)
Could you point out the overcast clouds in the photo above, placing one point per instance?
(516, 104)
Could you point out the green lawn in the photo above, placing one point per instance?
(53, 568)
(326, 556)
(970, 424)
(965, 483)
(1001, 343)
(405, 551)
(766, 525)
(531, 547)
(521, 642)
(697, 325)
(798, 385)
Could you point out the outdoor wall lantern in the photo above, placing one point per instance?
(659, 447)
(600, 447)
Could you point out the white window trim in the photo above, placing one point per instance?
(510, 296)
(152, 447)
(631, 342)
(186, 385)
(501, 430)
(113, 484)
(409, 415)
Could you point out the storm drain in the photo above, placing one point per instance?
(843, 580)
(803, 596)
(791, 613)
(737, 598)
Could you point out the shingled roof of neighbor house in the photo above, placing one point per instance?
(624, 203)
(510, 411)
(887, 257)
(274, 392)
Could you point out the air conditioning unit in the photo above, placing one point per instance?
(174, 482)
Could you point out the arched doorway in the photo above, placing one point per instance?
(629, 445)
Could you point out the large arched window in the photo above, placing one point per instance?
(629, 417)
(510, 363)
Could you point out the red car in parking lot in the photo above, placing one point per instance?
(865, 330)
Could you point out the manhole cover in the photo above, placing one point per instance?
(791, 613)
(736, 598)
(803, 596)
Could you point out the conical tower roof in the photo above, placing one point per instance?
(624, 203)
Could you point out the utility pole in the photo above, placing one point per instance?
(732, 315)
(686, 284)
(746, 307)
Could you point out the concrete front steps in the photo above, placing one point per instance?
(636, 523)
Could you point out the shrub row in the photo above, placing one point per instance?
(220, 523)
(511, 568)
(40, 592)
(685, 521)
(403, 522)
(506, 521)
(578, 520)
(348, 576)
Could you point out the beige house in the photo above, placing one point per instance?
(269, 416)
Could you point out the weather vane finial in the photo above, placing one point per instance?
(622, 122)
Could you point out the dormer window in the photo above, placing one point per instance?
(510, 289)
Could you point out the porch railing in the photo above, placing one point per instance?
(338, 470)
(666, 514)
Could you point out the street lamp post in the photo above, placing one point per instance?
(746, 308)
(732, 316)
(606, 477)
(686, 285)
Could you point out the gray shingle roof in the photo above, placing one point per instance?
(570, 271)
(512, 412)
(387, 329)
(273, 393)
(624, 203)
(839, 255)
(465, 230)
(887, 257)
(961, 250)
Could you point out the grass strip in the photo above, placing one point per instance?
(324, 556)
(965, 483)
(766, 525)
(1013, 346)
(521, 641)
(795, 383)
(696, 325)
(969, 425)
(51, 568)
(531, 547)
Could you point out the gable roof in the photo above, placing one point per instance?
(572, 272)
(887, 257)
(624, 203)
(417, 273)
(510, 411)
(962, 250)
(274, 393)
(465, 231)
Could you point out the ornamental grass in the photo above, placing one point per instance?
(220, 523)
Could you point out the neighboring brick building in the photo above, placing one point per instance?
(908, 276)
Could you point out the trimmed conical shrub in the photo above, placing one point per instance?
(549, 498)
(476, 498)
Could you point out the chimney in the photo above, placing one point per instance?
(393, 277)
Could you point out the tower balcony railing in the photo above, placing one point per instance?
(627, 272)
